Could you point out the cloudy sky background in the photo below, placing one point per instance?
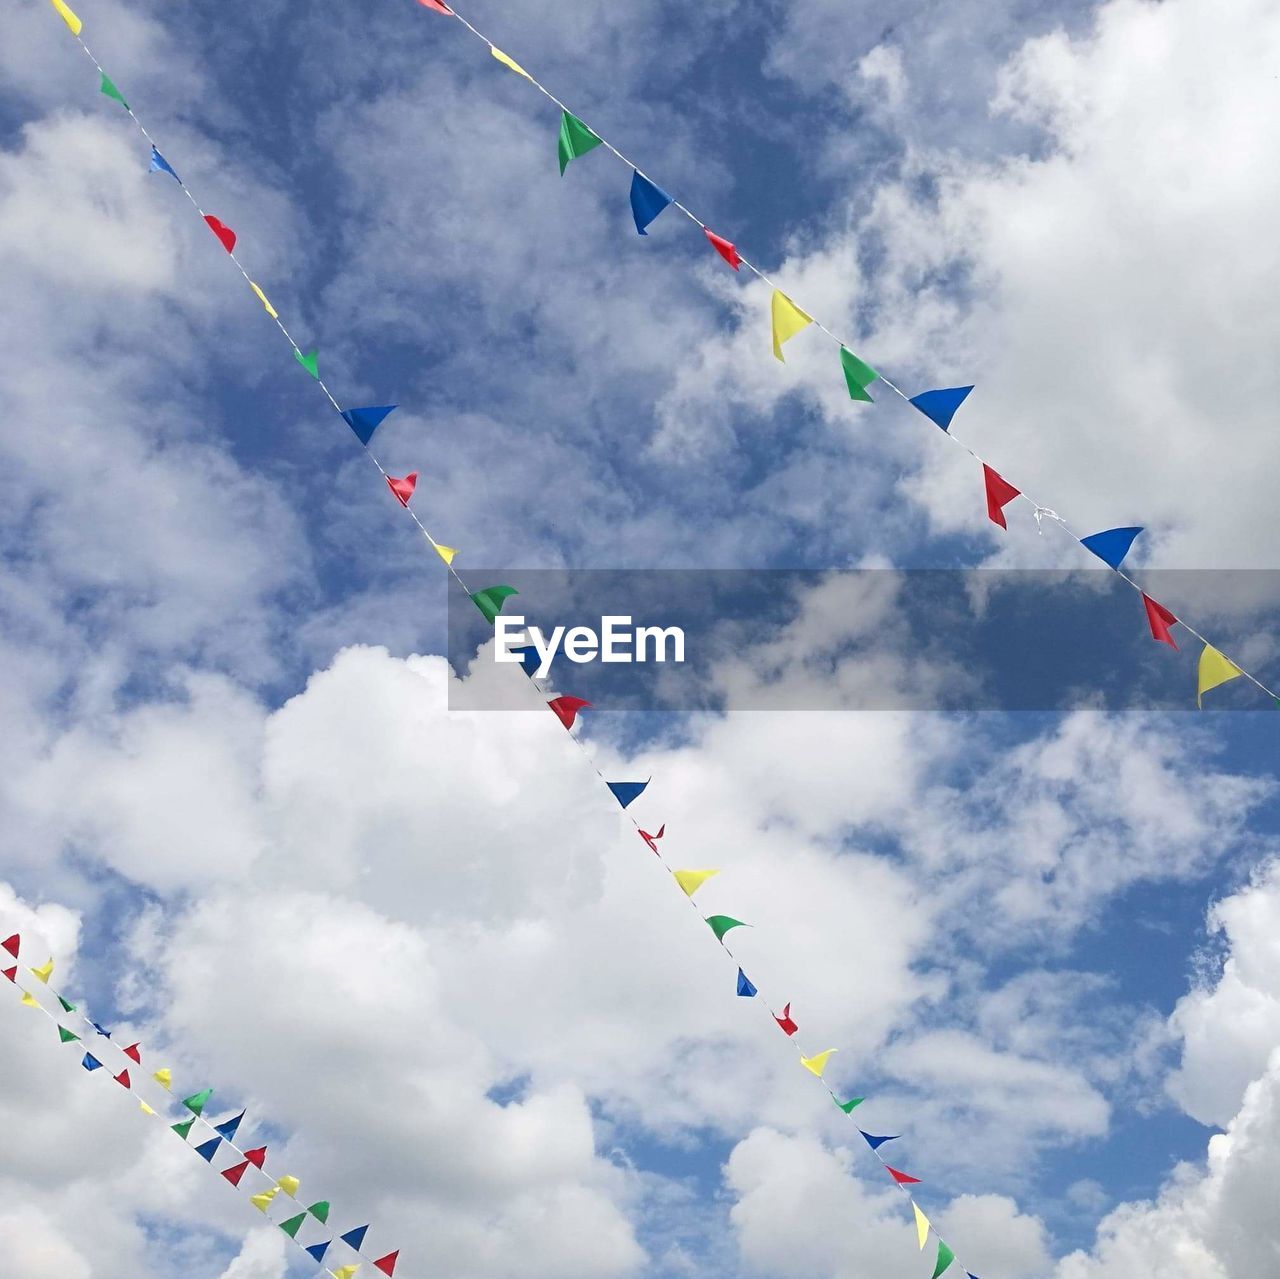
(449, 984)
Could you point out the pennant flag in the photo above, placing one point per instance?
(627, 792)
(133, 1053)
(123, 1078)
(67, 16)
(235, 1172)
(721, 924)
(44, 972)
(228, 1128)
(788, 320)
(1160, 620)
(367, 420)
(311, 362)
(263, 1201)
(723, 248)
(647, 200)
(508, 61)
(111, 91)
(439, 7)
(160, 165)
(528, 659)
(288, 1184)
(567, 708)
(320, 1211)
(945, 1258)
(858, 375)
(257, 1157)
(446, 553)
(164, 1077)
(67, 1036)
(66, 1007)
(1214, 670)
(788, 1026)
(652, 840)
(692, 880)
(901, 1177)
(387, 1264)
(30, 1000)
(346, 1272)
(293, 1225)
(12, 973)
(575, 140)
(102, 1030)
(270, 310)
(745, 987)
(403, 489)
(12, 944)
(1112, 545)
(209, 1149)
(816, 1064)
(491, 599)
(146, 1110)
(876, 1142)
(226, 236)
(196, 1102)
(999, 494)
(354, 1238)
(90, 1062)
(940, 406)
(922, 1225)
(851, 1105)
(184, 1128)
(317, 1250)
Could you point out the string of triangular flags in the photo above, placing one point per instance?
(99, 1046)
(648, 200)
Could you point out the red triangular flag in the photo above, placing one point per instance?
(11, 974)
(788, 1026)
(387, 1264)
(11, 944)
(1160, 619)
(999, 494)
(567, 708)
(234, 1174)
(403, 489)
(723, 248)
(222, 231)
(122, 1078)
(256, 1157)
(438, 5)
(133, 1054)
(901, 1177)
(652, 840)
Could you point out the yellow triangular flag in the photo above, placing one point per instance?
(922, 1225)
(788, 320)
(509, 62)
(345, 1273)
(1214, 670)
(146, 1110)
(289, 1185)
(68, 17)
(30, 1000)
(263, 1201)
(44, 972)
(262, 297)
(818, 1063)
(692, 880)
(446, 553)
(164, 1077)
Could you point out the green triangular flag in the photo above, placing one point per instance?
(66, 1036)
(858, 374)
(721, 924)
(490, 601)
(196, 1102)
(945, 1258)
(849, 1106)
(309, 362)
(66, 1007)
(184, 1127)
(293, 1225)
(575, 140)
(320, 1211)
(112, 92)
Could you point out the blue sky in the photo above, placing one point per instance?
(240, 813)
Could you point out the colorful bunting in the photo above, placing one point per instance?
(1160, 620)
(102, 1030)
(367, 420)
(354, 1238)
(403, 488)
(940, 406)
(65, 13)
(901, 1177)
(146, 1110)
(816, 1064)
(999, 494)
(1214, 669)
(851, 1105)
(164, 1077)
(721, 924)
(311, 362)
(66, 1007)
(387, 1264)
(723, 248)
(257, 1156)
(945, 1258)
(446, 553)
(858, 375)
(491, 599)
(439, 7)
(627, 792)
(123, 1078)
(575, 140)
(647, 200)
(320, 1211)
(876, 1142)
(235, 1172)
(12, 944)
(209, 1149)
(111, 91)
(183, 1129)
(785, 1024)
(508, 61)
(228, 1128)
(652, 840)
(160, 165)
(317, 1250)
(44, 972)
(922, 1225)
(288, 1184)
(293, 1225)
(788, 320)
(197, 1101)
(68, 1036)
(567, 708)
(134, 1053)
(346, 1272)
(745, 987)
(1112, 545)
(30, 1000)
(691, 880)
(12, 973)
(90, 1062)
(263, 1201)
(226, 236)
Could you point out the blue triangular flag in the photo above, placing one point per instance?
(230, 1127)
(90, 1062)
(647, 200)
(940, 406)
(745, 988)
(1112, 545)
(876, 1142)
(102, 1030)
(625, 792)
(209, 1149)
(528, 658)
(365, 421)
(354, 1238)
(160, 165)
(317, 1250)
